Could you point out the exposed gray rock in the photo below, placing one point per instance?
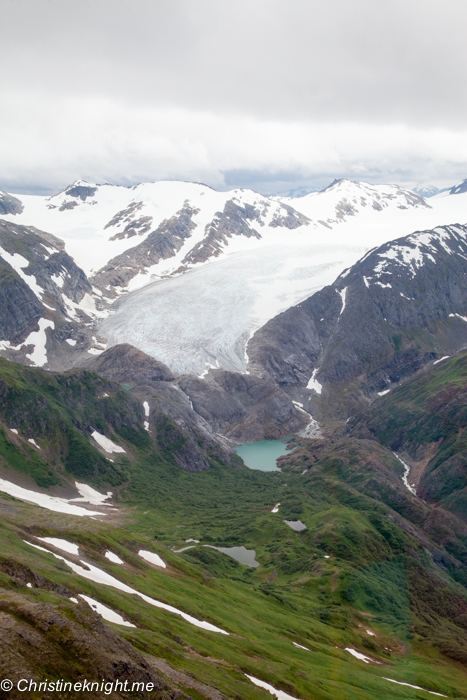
(128, 365)
(9, 204)
(232, 221)
(243, 407)
(20, 309)
(459, 189)
(161, 244)
(81, 191)
(48, 285)
(290, 218)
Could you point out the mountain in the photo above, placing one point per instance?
(135, 545)
(400, 307)
(152, 229)
(343, 199)
(426, 191)
(214, 256)
(460, 188)
(48, 308)
(221, 304)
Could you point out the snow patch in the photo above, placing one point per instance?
(33, 442)
(276, 508)
(446, 357)
(279, 694)
(362, 657)
(383, 393)
(106, 444)
(342, 294)
(463, 318)
(105, 612)
(70, 341)
(313, 383)
(152, 558)
(38, 338)
(58, 505)
(114, 558)
(90, 495)
(299, 646)
(417, 687)
(19, 263)
(61, 544)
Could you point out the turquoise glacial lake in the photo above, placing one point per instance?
(262, 454)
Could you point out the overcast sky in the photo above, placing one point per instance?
(269, 94)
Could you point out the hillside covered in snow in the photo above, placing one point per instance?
(196, 272)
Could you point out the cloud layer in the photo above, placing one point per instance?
(231, 93)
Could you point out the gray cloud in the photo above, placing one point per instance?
(92, 88)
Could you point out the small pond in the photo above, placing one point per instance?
(296, 524)
(262, 454)
(241, 554)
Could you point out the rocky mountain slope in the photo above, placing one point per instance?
(424, 421)
(265, 255)
(152, 229)
(228, 407)
(48, 308)
(401, 306)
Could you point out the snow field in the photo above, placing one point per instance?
(105, 442)
(61, 544)
(58, 505)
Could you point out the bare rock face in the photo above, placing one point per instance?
(401, 306)
(161, 244)
(459, 189)
(232, 221)
(290, 219)
(243, 407)
(126, 364)
(39, 280)
(81, 192)
(9, 204)
(20, 309)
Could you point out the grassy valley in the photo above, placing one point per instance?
(377, 570)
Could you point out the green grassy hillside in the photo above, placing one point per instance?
(377, 570)
(426, 418)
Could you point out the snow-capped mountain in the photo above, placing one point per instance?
(125, 237)
(205, 318)
(344, 199)
(122, 236)
(197, 272)
(401, 306)
(46, 302)
(426, 191)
